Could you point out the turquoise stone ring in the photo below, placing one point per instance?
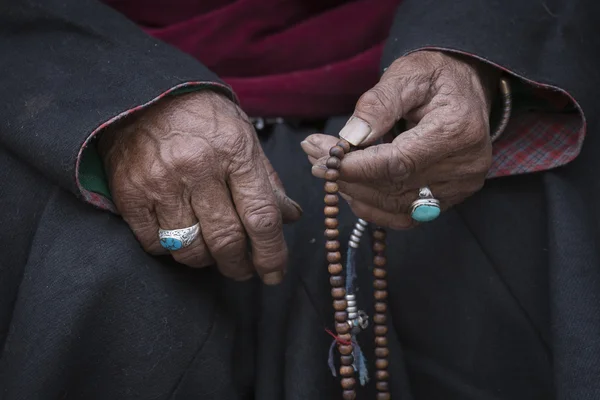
(177, 239)
(426, 208)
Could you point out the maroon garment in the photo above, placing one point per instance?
(303, 58)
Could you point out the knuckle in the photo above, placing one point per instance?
(229, 242)
(265, 222)
(399, 165)
(379, 100)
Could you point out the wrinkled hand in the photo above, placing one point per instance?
(446, 103)
(196, 158)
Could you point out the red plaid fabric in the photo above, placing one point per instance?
(545, 132)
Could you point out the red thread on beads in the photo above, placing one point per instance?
(338, 339)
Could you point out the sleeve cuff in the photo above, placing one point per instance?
(89, 171)
(545, 131)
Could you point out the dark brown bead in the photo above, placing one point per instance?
(379, 318)
(340, 316)
(383, 396)
(344, 145)
(331, 223)
(331, 187)
(335, 257)
(382, 375)
(379, 294)
(381, 341)
(337, 151)
(345, 336)
(340, 305)
(379, 261)
(333, 163)
(381, 352)
(332, 233)
(379, 273)
(378, 247)
(381, 363)
(379, 234)
(332, 175)
(346, 370)
(345, 349)
(335, 269)
(332, 245)
(348, 383)
(380, 307)
(331, 199)
(346, 360)
(336, 280)
(382, 386)
(331, 211)
(338, 293)
(342, 327)
(380, 284)
(349, 395)
(380, 330)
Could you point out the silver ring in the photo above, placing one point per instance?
(177, 239)
(426, 208)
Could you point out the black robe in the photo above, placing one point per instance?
(497, 299)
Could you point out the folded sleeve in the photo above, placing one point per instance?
(70, 68)
(545, 50)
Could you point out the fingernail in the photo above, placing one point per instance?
(273, 278)
(346, 197)
(297, 206)
(310, 148)
(355, 131)
(318, 171)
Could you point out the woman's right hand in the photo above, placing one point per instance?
(196, 158)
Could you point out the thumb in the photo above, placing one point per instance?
(400, 90)
(290, 210)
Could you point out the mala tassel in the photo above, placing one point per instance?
(330, 361)
(360, 365)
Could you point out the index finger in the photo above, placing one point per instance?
(257, 207)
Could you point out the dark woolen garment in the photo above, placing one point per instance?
(499, 299)
(310, 58)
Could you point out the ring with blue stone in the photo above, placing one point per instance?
(426, 208)
(177, 239)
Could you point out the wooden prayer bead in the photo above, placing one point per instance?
(332, 245)
(337, 151)
(381, 341)
(382, 375)
(380, 284)
(379, 294)
(346, 360)
(348, 383)
(342, 328)
(331, 211)
(335, 269)
(338, 293)
(379, 234)
(345, 336)
(345, 349)
(332, 233)
(331, 223)
(379, 318)
(349, 395)
(340, 316)
(331, 200)
(331, 187)
(333, 163)
(383, 396)
(340, 305)
(344, 145)
(380, 307)
(346, 370)
(381, 352)
(379, 273)
(336, 281)
(378, 247)
(379, 261)
(380, 330)
(334, 256)
(382, 386)
(381, 363)
(332, 174)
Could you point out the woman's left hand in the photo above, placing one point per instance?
(447, 102)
